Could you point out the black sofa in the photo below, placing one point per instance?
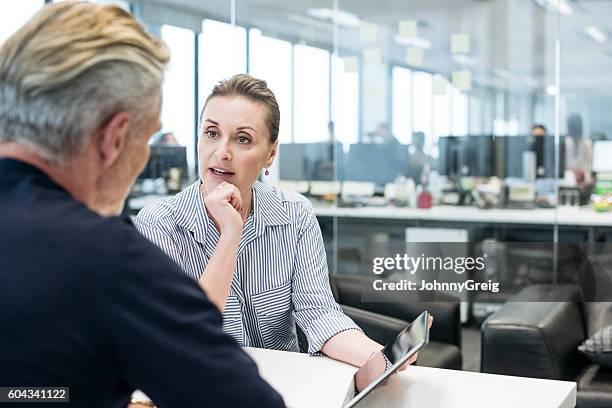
(383, 316)
(537, 334)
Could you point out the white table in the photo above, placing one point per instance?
(306, 381)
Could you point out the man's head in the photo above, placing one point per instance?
(83, 80)
(538, 130)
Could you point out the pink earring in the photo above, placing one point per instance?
(267, 173)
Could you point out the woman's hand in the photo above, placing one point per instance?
(376, 365)
(224, 205)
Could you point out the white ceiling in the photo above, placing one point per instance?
(507, 36)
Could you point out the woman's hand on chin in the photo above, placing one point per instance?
(224, 205)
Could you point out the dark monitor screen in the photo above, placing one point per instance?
(378, 163)
(164, 158)
(471, 155)
(309, 161)
(510, 149)
(477, 157)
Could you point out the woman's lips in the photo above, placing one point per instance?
(220, 173)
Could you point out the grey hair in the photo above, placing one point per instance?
(69, 70)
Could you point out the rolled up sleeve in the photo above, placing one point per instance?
(315, 309)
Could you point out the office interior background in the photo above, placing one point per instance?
(408, 122)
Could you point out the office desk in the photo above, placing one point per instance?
(585, 217)
(306, 381)
(545, 216)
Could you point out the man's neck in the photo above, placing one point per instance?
(72, 177)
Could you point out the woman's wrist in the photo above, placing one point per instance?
(230, 236)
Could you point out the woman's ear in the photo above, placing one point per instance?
(272, 154)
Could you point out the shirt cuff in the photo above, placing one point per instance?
(326, 327)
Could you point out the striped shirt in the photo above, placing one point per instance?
(281, 274)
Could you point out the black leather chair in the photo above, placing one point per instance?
(537, 334)
(385, 314)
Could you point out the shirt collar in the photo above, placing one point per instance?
(268, 209)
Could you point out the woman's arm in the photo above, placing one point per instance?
(223, 205)
(354, 347)
(217, 277)
(351, 346)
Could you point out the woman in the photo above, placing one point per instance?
(256, 250)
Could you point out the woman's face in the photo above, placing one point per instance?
(234, 142)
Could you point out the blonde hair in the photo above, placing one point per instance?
(255, 90)
(69, 69)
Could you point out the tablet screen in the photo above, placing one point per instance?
(405, 345)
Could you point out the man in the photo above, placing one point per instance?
(85, 301)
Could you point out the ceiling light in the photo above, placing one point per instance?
(416, 42)
(503, 73)
(596, 34)
(562, 6)
(531, 82)
(341, 17)
(551, 90)
(464, 60)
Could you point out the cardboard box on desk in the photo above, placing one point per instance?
(304, 380)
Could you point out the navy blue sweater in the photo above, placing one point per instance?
(88, 303)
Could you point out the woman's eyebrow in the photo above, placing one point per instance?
(247, 127)
(212, 121)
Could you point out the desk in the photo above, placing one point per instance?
(542, 216)
(585, 217)
(306, 381)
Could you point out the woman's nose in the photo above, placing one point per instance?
(223, 151)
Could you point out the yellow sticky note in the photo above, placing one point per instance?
(372, 56)
(460, 43)
(351, 64)
(368, 32)
(462, 80)
(408, 29)
(414, 57)
(439, 86)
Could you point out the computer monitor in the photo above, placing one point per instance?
(509, 153)
(602, 154)
(291, 162)
(162, 159)
(477, 159)
(449, 151)
(378, 163)
(310, 161)
(471, 155)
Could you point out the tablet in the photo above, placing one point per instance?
(405, 345)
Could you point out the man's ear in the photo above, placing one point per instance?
(112, 138)
(272, 153)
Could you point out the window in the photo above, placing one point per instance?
(222, 54)
(178, 114)
(345, 94)
(311, 98)
(460, 112)
(422, 82)
(270, 60)
(475, 115)
(441, 109)
(17, 14)
(402, 115)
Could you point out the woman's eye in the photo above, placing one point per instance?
(243, 139)
(211, 134)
